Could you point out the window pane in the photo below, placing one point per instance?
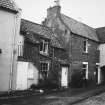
(44, 74)
(84, 48)
(20, 50)
(84, 72)
(84, 65)
(44, 46)
(41, 46)
(44, 66)
(44, 69)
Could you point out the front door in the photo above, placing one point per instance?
(64, 77)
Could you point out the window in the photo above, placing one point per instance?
(85, 70)
(65, 31)
(44, 68)
(20, 49)
(0, 51)
(85, 46)
(44, 46)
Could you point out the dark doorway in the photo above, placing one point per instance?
(96, 75)
(103, 74)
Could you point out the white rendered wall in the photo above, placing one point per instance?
(102, 61)
(8, 31)
(27, 74)
(102, 54)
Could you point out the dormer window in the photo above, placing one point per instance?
(85, 46)
(44, 47)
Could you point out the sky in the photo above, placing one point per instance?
(90, 12)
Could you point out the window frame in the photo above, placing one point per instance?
(48, 63)
(86, 69)
(44, 47)
(85, 46)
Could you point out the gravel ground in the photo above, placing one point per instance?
(95, 100)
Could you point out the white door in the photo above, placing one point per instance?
(64, 77)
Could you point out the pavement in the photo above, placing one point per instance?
(62, 97)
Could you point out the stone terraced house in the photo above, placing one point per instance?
(9, 33)
(80, 41)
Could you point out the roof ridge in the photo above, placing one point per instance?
(99, 28)
(37, 24)
(80, 28)
(77, 21)
(46, 32)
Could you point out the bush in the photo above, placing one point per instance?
(45, 84)
(34, 87)
(48, 84)
(51, 84)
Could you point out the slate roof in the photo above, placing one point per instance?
(9, 4)
(80, 28)
(101, 34)
(34, 28)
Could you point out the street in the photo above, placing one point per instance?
(95, 100)
(59, 98)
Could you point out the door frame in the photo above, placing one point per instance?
(65, 66)
(99, 74)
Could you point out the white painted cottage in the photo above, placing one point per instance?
(9, 33)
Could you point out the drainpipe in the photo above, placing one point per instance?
(14, 42)
(12, 55)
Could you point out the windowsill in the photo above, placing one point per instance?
(20, 58)
(44, 53)
(85, 52)
(30, 78)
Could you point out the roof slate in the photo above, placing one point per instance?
(80, 28)
(9, 4)
(101, 34)
(28, 26)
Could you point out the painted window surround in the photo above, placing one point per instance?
(85, 46)
(99, 72)
(44, 47)
(86, 63)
